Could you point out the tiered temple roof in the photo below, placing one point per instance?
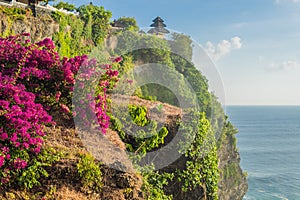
(158, 27)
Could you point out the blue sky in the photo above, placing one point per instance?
(255, 44)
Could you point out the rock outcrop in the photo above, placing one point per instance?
(232, 185)
(38, 27)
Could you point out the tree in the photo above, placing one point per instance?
(128, 23)
(183, 44)
(96, 20)
(66, 6)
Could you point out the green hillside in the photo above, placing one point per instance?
(206, 167)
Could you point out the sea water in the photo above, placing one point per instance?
(269, 145)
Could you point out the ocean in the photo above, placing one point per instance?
(269, 145)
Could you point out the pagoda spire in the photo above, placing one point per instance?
(158, 22)
(158, 27)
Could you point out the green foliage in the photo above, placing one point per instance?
(181, 56)
(127, 42)
(115, 124)
(128, 23)
(138, 115)
(90, 172)
(153, 185)
(211, 173)
(191, 177)
(182, 44)
(228, 133)
(31, 175)
(157, 92)
(230, 170)
(96, 22)
(202, 165)
(232, 175)
(126, 65)
(160, 107)
(66, 6)
(77, 36)
(8, 30)
(145, 48)
(68, 40)
(217, 116)
(146, 134)
(153, 50)
(231, 130)
(13, 13)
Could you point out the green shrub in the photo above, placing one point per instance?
(153, 185)
(146, 137)
(31, 175)
(65, 5)
(14, 13)
(90, 172)
(202, 165)
(138, 115)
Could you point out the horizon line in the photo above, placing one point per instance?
(262, 105)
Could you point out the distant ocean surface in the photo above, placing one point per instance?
(269, 145)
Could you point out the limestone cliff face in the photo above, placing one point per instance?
(232, 184)
(39, 28)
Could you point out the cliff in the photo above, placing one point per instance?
(63, 180)
(233, 182)
(23, 22)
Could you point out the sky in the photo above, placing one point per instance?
(255, 44)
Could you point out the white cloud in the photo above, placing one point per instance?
(236, 42)
(223, 48)
(284, 66)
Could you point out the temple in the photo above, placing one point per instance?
(158, 27)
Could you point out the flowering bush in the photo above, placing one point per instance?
(94, 81)
(97, 80)
(33, 79)
(26, 73)
(21, 128)
(40, 69)
(36, 66)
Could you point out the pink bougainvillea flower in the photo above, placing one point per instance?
(65, 108)
(57, 96)
(19, 163)
(2, 159)
(117, 59)
(3, 136)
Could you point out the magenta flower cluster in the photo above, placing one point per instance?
(22, 119)
(21, 127)
(33, 79)
(26, 61)
(94, 81)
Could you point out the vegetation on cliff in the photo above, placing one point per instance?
(48, 74)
